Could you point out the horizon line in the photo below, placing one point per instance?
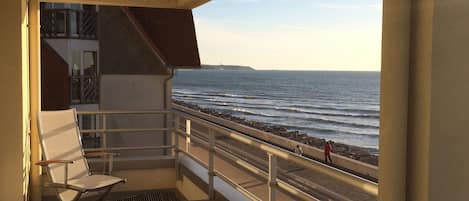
(255, 68)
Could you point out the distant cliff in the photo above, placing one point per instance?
(226, 67)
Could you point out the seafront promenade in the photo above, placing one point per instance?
(349, 164)
(315, 183)
(349, 151)
(320, 186)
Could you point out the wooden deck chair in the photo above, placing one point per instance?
(65, 160)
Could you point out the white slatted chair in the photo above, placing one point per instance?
(65, 160)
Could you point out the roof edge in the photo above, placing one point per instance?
(143, 35)
(175, 4)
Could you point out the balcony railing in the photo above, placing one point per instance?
(84, 89)
(69, 23)
(102, 131)
(211, 145)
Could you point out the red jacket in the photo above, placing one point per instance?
(327, 148)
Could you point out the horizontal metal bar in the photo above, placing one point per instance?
(256, 171)
(201, 142)
(243, 163)
(102, 112)
(230, 147)
(231, 157)
(237, 186)
(293, 190)
(197, 160)
(131, 148)
(221, 176)
(134, 158)
(353, 166)
(200, 133)
(261, 174)
(122, 130)
(363, 184)
(182, 133)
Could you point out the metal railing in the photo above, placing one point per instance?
(84, 89)
(69, 23)
(274, 153)
(103, 131)
(184, 127)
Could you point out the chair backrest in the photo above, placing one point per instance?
(60, 140)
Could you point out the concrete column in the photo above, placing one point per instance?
(35, 95)
(394, 98)
(448, 167)
(424, 126)
(14, 107)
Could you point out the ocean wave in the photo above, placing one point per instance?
(296, 110)
(252, 109)
(365, 113)
(328, 131)
(245, 111)
(312, 120)
(339, 106)
(225, 95)
(263, 96)
(308, 119)
(351, 124)
(358, 110)
(235, 96)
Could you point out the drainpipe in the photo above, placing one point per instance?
(166, 105)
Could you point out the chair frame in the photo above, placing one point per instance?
(65, 163)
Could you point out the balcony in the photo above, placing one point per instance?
(84, 89)
(69, 23)
(204, 160)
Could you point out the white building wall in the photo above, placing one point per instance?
(134, 92)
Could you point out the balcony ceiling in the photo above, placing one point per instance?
(177, 4)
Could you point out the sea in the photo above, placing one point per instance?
(338, 106)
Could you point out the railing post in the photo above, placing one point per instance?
(211, 171)
(103, 134)
(104, 138)
(188, 135)
(67, 23)
(272, 176)
(82, 89)
(176, 146)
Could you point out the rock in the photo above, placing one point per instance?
(340, 149)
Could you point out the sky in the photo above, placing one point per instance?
(291, 34)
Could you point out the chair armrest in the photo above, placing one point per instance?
(48, 162)
(63, 162)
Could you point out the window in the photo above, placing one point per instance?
(90, 63)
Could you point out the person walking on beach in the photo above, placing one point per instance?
(327, 151)
(299, 150)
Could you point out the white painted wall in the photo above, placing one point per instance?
(134, 92)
